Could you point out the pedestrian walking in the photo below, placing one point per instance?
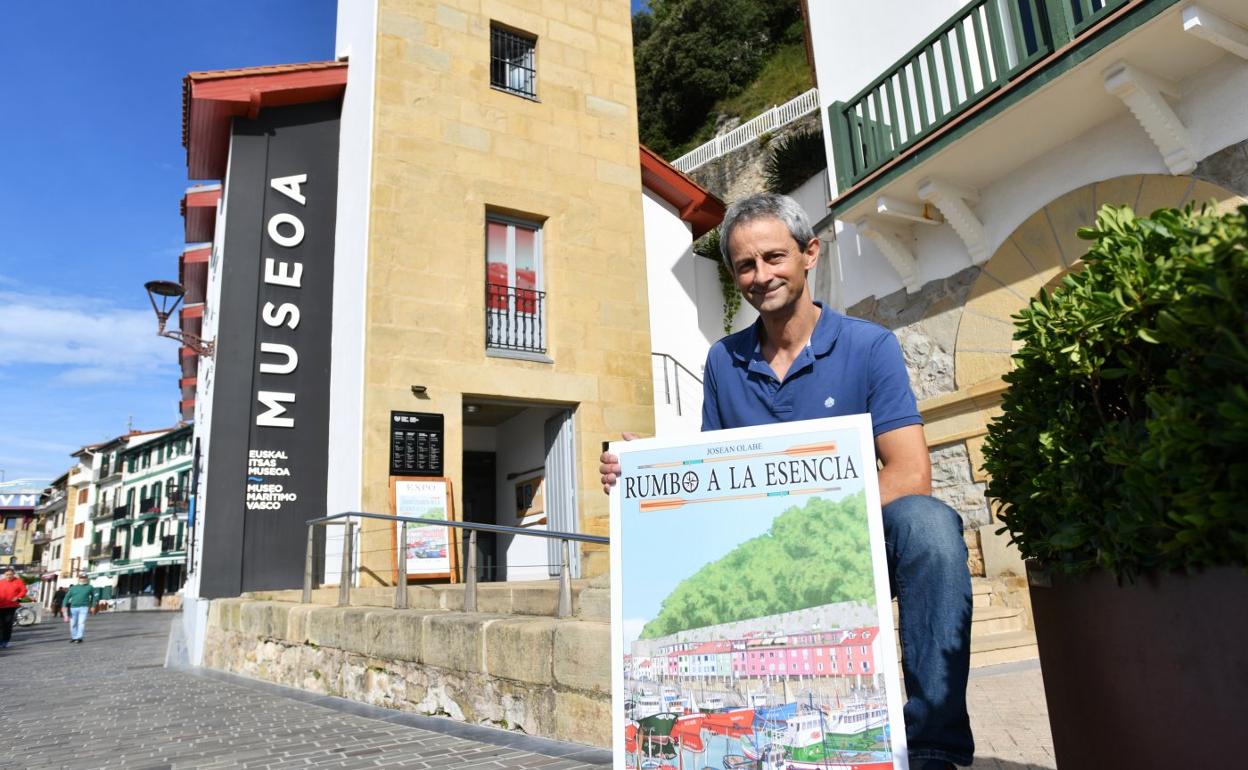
(79, 600)
(58, 600)
(12, 589)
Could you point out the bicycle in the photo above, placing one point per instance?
(25, 616)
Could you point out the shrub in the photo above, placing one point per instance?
(1123, 438)
(794, 159)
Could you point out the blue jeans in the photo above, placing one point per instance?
(927, 569)
(77, 621)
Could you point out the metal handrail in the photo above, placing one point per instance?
(667, 395)
(470, 582)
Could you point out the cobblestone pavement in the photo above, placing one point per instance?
(110, 703)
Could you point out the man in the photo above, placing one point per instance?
(802, 361)
(79, 600)
(12, 589)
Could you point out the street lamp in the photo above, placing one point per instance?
(165, 297)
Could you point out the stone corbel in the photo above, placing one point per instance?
(895, 244)
(1214, 29)
(1142, 92)
(954, 203)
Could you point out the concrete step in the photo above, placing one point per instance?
(986, 619)
(1008, 647)
(981, 592)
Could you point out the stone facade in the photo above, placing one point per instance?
(449, 149)
(739, 173)
(532, 674)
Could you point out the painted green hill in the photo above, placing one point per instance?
(812, 555)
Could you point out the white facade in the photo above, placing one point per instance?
(1074, 130)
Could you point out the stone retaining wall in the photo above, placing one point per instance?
(542, 676)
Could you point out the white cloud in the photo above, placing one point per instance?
(94, 339)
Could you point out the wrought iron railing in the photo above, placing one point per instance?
(985, 46)
(514, 318)
(149, 505)
(121, 512)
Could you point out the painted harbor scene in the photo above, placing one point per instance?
(750, 609)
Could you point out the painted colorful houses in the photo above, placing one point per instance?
(844, 653)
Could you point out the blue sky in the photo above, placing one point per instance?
(93, 172)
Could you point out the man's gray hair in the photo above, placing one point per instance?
(763, 205)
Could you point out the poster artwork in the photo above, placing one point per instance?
(752, 624)
(426, 549)
(8, 538)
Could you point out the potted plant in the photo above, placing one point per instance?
(1120, 464)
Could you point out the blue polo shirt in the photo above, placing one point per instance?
(850, 366)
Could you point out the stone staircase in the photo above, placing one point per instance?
(1001, 628)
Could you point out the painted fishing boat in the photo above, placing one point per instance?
(854, 719)
(775, 716)
(732, 723)
(806, 747)
(647, 705)
(711, 705)
(688, 731)
(738, 762)
(654, 734)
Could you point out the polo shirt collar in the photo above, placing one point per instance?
(827, 329)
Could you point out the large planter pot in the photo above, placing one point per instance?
(1146, 674)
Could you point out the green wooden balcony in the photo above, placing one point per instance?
(973, 65)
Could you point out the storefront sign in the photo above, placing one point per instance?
(750, 598)
(427, 549)
(415, 444)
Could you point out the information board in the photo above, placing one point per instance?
(415, 444)
(751, 616)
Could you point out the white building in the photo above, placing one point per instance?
(968, 142)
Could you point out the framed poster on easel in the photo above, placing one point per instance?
(428, 551)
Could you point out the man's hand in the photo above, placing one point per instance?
(907, 466)
(610, 467)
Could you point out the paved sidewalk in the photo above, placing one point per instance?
(110, 703)
(1010, 718)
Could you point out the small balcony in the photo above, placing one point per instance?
(514, 319)
(1000, 84)
(100, 511)
(116, 552)
(39, 538)
(175, 500)
(170, 544)
(121, 512)
(149, 505)
(97, 551)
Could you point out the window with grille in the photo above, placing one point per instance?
(514, 300)
(513, 62)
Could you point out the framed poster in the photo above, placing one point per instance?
(752, 624)
(429, 551)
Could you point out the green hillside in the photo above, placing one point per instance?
(813, 555)
(698, 59)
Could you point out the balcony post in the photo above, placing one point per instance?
(1061, 18)
(840, 147)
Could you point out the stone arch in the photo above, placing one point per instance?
(1041, 250)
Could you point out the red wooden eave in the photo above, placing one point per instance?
(211, 100)
(199, 210)
(697, 206)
